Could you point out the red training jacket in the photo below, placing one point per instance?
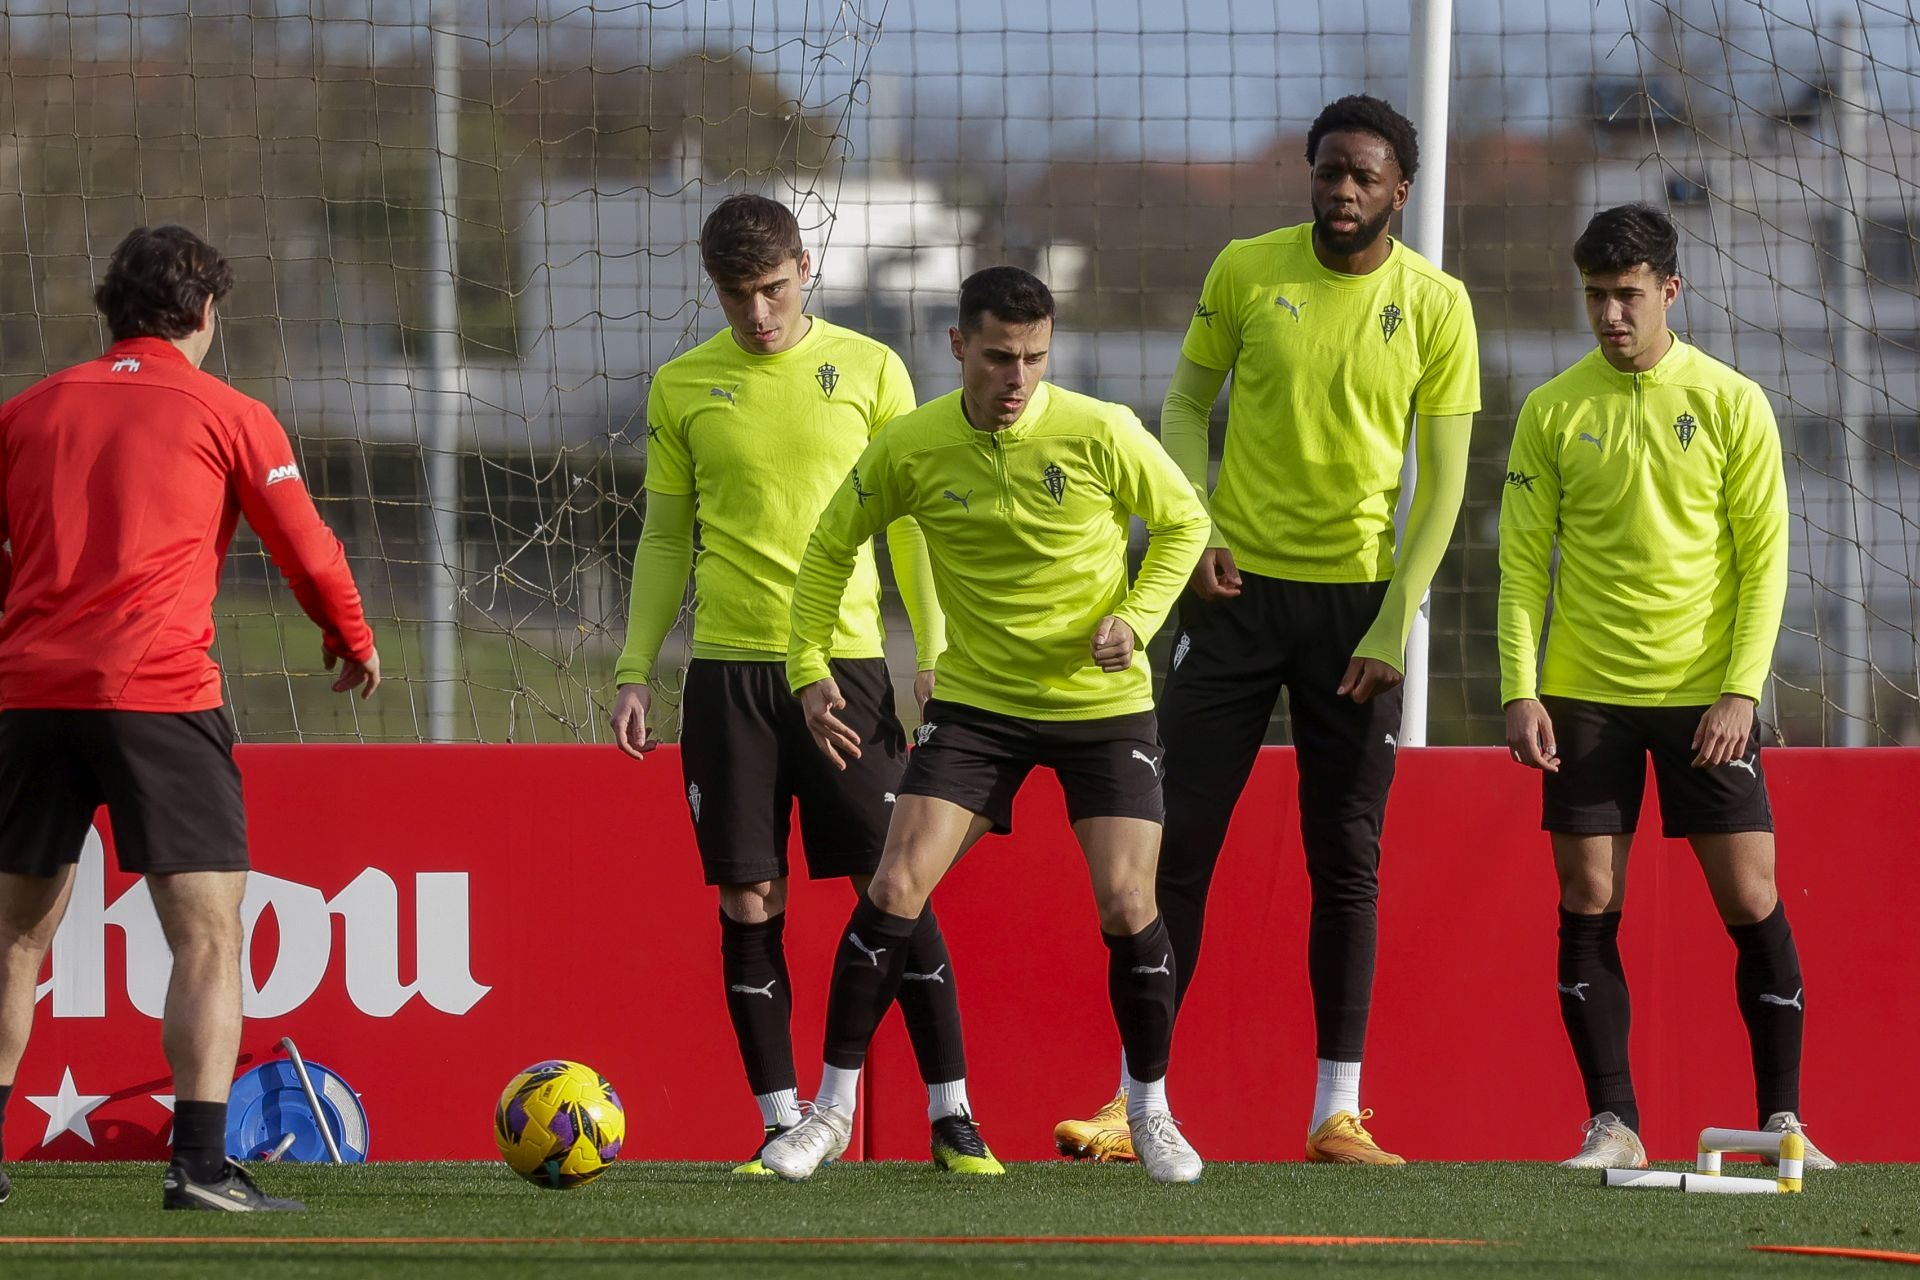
(121, 483)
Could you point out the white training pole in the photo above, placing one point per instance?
(1698, 1183)
(1744, 1142)
(1712, 1186)
(1854, 378)
(444, 562)
(1429, 75)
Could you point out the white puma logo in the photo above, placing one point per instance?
(1391, 742)
(1149, 761)
(871, 953)
(1793, 1003)
(1578, 990)
(889, 798)
(938, 975)
(744, 990)
(1162, 966)
(1743, 764)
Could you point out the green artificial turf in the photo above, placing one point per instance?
(1538, 1220)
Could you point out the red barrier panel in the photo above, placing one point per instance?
(428, 920)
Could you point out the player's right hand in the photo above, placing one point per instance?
(629, 720)
(1215, 577)
(1530, 735)
(819, 701)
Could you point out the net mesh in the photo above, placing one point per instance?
(454, 291)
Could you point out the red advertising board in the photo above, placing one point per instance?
(428, 920)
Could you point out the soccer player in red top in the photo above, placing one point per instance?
(121, 483)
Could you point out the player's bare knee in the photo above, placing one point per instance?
(1591, 896)
(754, 903)
(1126, 910)
(1749, 903)
(896, 895)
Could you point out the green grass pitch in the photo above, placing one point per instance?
(1536, 1220)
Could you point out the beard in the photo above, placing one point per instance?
(1360, 239)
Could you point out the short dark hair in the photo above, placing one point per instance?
(1623, 237)
(1011, 295)
(1363, 113)
(158, 283)
(746, 237)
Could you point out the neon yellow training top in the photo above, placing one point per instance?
(1666, 492)
(1026, 528)
(1327, 370)
(760, 443)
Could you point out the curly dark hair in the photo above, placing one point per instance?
(1623, 237)
(746, 237)
(158, 283)
(1367, 114)
(1011, 295)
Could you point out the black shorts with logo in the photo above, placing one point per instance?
(1603, 773)
(168, 780)
(747, 756)
(1109, 768)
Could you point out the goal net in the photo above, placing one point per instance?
(465, 240)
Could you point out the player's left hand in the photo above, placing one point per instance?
(364, 676)
(922, 690)
(1113, 642)
(1367, 677)
(819, 701)
(1723, 732)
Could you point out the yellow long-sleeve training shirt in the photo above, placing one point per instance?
(1666, 494)
(1026, 530)
(760, 443)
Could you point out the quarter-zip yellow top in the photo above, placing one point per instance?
(1667, 497)
(1026, 530)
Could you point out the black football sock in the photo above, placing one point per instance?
(753, 964)
(6, 1091)
(200, 1138)
(1596, 1011)
(867, 965)
(1767, 978)
(930, 1004)
(1140, 983)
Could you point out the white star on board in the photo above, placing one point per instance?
(67, 1110)
(165, 1100)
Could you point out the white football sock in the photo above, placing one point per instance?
(949, 1099)
(1337, 1089)
(780, 1109)
(839, 1089)
(1145, 1098)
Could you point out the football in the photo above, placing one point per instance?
(559, 1124)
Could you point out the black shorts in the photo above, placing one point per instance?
(1109, 768)
(167, 778)
(747, 756)
(1603, 773)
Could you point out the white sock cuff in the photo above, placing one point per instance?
(780, 1109)
(1144, 1098)
(839, 1089)
(949, 1099)
(1336, 1088)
